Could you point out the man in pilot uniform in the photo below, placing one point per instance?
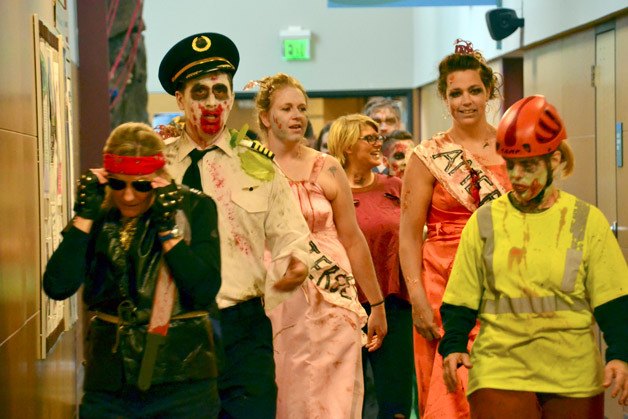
(256, 211)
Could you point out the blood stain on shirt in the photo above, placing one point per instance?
(516, 255)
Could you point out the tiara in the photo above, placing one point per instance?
(463, 47)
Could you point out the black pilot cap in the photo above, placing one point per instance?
(195, 56)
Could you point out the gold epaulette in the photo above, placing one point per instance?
(257, 146)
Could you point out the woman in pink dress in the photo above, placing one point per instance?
(447, 178)
(317, 331)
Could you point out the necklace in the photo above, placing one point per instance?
(127, 232)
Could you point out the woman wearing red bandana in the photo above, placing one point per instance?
(447, 178)
(147, 253)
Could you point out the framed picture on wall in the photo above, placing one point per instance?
(54, 167)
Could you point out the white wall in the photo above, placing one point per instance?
(355, 48)
(437, 27)
(545, 18)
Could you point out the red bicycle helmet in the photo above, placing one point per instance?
(529, 128)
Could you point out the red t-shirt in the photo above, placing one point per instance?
(377, 209)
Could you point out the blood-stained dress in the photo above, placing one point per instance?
(317, 334)
(446, 218)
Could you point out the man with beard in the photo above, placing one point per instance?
(256, 213)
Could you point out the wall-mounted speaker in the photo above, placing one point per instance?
(502, 23)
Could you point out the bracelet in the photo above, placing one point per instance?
(174, 234)
(167, 237)
(377, 304)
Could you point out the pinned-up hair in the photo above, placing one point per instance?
(267, 86)
(466, 58)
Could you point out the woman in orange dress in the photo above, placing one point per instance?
(447, 178)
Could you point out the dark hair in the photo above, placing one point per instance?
(400, 134)
(309, 131)
(460, 62)
(321, 134)
(393, 137)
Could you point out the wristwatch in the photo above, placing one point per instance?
(174, 234)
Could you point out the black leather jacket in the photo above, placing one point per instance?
(120, 284)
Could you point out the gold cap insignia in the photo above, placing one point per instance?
(204, 41)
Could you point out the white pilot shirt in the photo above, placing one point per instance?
(253, 214)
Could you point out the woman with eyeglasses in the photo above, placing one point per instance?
(447, 178)
(538, 267)
(146, 252)
(354, 140)
(318, 336)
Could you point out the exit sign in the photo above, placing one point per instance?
(296, 49)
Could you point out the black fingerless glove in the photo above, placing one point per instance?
(89, 196)
(167, 201)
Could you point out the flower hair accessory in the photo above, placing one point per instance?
(252, 84)
(263, 84)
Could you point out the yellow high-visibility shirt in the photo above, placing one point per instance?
(535, 279)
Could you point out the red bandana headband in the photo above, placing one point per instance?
(131, 165)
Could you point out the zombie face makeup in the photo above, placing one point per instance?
(529, 177)
(286, 119)
(386, 119)
(466, 97)
(207, 102)
(396, 156)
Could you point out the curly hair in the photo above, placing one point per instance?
(467, 61)
(267, 86)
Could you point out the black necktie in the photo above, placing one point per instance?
(192, 176)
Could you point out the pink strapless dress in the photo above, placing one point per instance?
(317, 334)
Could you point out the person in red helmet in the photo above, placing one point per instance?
(538, 267)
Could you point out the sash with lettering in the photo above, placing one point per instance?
(452, 167)
(336, 284)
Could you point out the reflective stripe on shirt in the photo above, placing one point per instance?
(573, 258)
(485, 225)
(532, 304)
(523, 305)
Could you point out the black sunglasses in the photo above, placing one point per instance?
(138, 185)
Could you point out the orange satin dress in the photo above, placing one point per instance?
(445, 220)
